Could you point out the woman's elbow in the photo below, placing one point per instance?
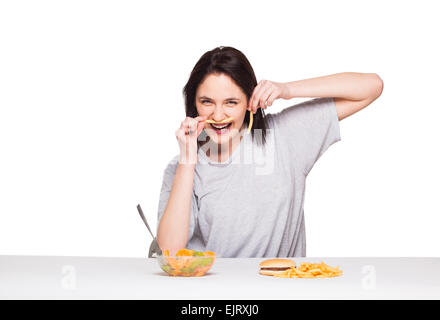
(377, 85)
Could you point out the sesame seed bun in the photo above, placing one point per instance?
(277, 263)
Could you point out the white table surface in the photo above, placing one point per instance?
(47, 277)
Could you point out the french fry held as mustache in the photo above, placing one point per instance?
(223, 121)
(251, 121)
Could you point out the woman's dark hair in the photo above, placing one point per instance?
(231, 62)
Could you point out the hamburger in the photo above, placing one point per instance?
(275, 266)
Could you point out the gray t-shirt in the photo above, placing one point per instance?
(252, 205)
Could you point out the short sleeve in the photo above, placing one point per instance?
(307, 130)
(167, 183)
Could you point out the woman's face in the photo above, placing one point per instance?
(219, 98)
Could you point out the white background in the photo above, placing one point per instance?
(91, 95)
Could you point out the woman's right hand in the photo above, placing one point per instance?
(187, 135)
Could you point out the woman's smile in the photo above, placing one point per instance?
(221, 128)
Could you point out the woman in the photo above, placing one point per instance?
(212, 199)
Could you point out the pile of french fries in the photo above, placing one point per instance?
(311, 270)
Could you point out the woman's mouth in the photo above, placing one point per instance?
(221, 128)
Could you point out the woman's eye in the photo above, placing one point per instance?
(207, 101)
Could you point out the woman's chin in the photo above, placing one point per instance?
(222, 138)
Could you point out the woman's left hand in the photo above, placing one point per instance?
(265, 94)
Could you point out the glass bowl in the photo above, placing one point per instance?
(187, 266)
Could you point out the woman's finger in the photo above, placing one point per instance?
(265, 96)
(256, 100)
(200, 124)
(259, 89)
(189, 128)
(188, 121)
(274, 95)
(184, 123)
(179, 133)
(201, 118)
(200, 127)
(184, 127)
(253, 99)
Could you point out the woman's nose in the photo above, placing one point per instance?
(219, 114)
